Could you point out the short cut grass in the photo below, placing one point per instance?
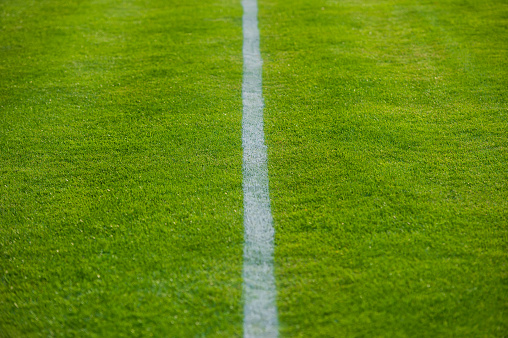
(120, 168)
(387, 129)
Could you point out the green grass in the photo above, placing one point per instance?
(120, 168)
(388, 147)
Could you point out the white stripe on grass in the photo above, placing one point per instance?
(260, 309)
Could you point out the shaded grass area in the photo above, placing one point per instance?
(388, 145)
(120, 168)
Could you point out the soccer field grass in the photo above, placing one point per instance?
(120, 150)
(387, 134)
(121, 167)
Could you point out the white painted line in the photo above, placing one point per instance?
(260, 309)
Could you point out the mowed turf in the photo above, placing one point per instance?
(120, 168)
(387, 128)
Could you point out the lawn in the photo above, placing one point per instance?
(120, 168)
(387, 130)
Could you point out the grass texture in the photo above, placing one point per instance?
(387, 129)
(120, 168)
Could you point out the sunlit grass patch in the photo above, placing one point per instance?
(120, 152)
(387, 132)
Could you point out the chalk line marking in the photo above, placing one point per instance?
(260, 307)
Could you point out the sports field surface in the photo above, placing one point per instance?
(121, 199)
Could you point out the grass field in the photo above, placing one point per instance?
(121, 167)
(387, 128)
